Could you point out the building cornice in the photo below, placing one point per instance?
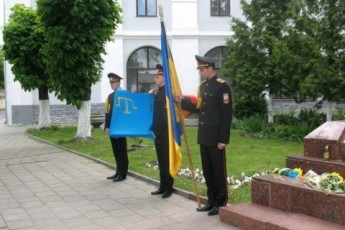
(175, 34)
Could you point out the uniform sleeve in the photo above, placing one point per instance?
(107, 113)
(225, 98)
(189, 106)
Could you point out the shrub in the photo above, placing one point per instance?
(253, 124)
(249, 106)
(339, 115)
(292, 132)
(285, 119)
(312, 117)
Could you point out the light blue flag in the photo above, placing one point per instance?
(132, 115)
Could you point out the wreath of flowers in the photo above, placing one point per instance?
(332, 183)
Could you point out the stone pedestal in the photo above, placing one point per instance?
(280, 202)
(292, 195)
(316, 164)
(331, 133)
(249, 216)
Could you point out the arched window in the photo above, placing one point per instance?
(219, 53)
(140, 69)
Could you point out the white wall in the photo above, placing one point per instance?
(190, 30)
(184, 15)
(185, 64)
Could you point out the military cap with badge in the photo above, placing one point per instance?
(205, 62)
(113, 77)
(159, 69)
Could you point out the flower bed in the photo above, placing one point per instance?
(233, 182)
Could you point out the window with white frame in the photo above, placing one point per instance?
(146, 8)
(220, 7)
(141, 68)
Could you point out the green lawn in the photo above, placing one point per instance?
(244, 155)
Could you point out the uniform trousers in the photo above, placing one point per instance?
(166, 180)
(119, 146)
(214, 170)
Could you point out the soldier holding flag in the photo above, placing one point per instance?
(214, 107)
(119, 145)
(160, 131)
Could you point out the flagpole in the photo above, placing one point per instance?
(195, 185)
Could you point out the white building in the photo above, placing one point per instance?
(193, 27)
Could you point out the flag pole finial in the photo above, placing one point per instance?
(160, 10)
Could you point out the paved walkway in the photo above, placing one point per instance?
(45, 187)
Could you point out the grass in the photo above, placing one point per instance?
(245, 154)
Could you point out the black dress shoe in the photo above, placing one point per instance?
(166, 195)
(157, 192)
(119, 178)
(112, 177)
(213, 211)
(205, 208)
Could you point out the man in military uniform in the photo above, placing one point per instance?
(214, 107)
(160, 131)
(119, 145)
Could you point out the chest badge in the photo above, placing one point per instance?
(226, 99)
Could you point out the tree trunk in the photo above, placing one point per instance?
(84, 125)
(298, 109)
(329, 105)
(44, 110)
(270, 108)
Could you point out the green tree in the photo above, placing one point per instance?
(76, 33)
(293, 48)
(327, 76)
(23, 40)
(252, 50)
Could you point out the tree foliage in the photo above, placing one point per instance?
(252, 50)
(293, 48)
(327, 75)
(23, 40)
(76, 33)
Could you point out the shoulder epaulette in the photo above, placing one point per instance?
(221, 80)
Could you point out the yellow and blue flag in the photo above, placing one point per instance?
(127, 118)
(172, 88)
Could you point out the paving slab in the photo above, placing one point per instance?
(43, 186)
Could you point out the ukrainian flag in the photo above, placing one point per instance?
(172, 87)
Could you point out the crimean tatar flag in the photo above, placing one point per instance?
(172, 88)
(132, 115)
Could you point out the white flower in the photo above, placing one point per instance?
(246, 180)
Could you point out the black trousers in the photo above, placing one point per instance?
(166, 180)
(119, 146)
(214, 169)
